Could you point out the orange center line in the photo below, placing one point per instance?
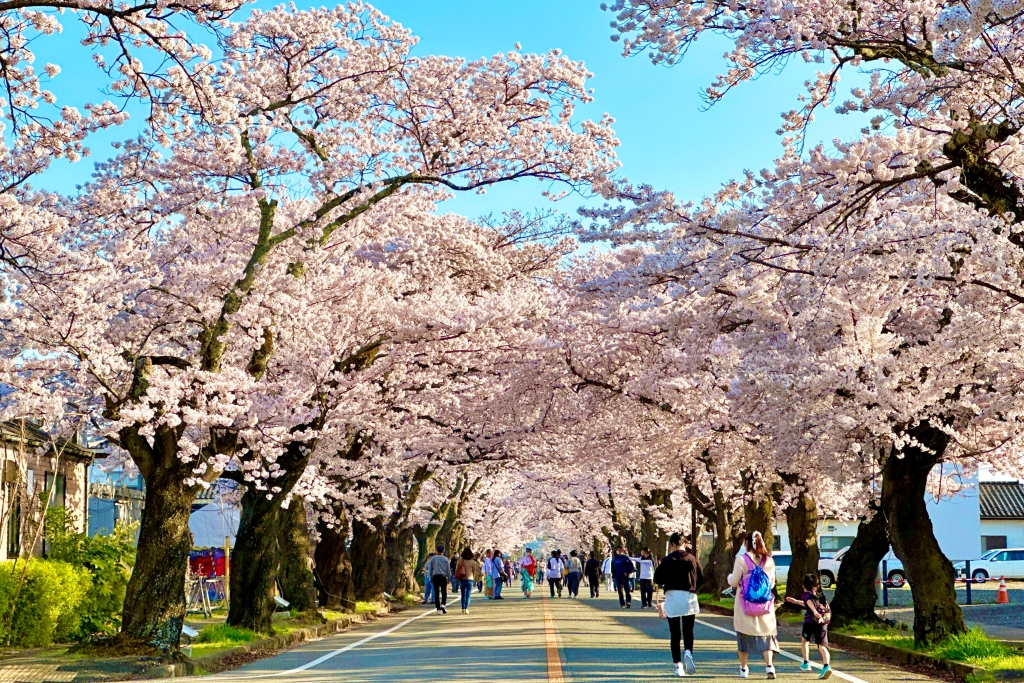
(551, 644)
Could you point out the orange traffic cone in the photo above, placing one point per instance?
(1002, 597)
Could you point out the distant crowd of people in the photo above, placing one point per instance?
(679, 574)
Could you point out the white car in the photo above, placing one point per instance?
(828, 569)
(1005, 562)
(783, 561)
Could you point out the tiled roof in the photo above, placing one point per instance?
(1001, 500)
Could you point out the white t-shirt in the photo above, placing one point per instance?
(555, 568)
(646, 569)
(606, 566)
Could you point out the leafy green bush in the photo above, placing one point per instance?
(48, 608)
(225, 634)
(108, 558)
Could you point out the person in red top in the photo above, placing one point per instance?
(528, 565)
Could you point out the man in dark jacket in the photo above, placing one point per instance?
(593, 571)
(622, 568)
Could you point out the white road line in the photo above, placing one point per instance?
(335, 653)
(795, 658)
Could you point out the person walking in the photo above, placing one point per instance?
(816, 620)
(527, 570)
(497, 573)
(753, 577)
(679, 574)
(606, 569)
(438, 569)
(646, 579)
(428, 585)
(592, 569)
(507, 573)
(554, 572)
(467, 571)
(572, 579)
(455, 582)
(488, 582)
(622, 569)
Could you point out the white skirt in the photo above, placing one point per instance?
(681, 604)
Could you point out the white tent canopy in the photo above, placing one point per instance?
(211, 524)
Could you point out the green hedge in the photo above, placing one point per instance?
(49, 606)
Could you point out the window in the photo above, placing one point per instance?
(14, 529)
(783, 560)
(1001, 557)
(834, 543)
(993, 542)
(57, 500)
(777, 543)
(1016, 555)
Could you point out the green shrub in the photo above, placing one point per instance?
(108, 558)
(48, 608)
(225, 634)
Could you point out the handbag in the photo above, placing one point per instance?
(660, 606)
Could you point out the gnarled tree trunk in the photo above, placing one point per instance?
(367, 555)
(855, 597)
(332, 565)
(400, 562)
(154, 603)
(930, 573)
(802, 520)
(651, 535)
(295, 574)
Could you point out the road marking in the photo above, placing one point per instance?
(795, 658)
(551, 645)
(335, 653)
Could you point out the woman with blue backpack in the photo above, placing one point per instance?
(753, 577)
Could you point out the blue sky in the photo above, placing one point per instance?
(668, 139)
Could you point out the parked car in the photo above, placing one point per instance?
(828, 569)
(1005, 562)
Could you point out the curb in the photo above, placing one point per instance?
(896, 655)
(281, 642)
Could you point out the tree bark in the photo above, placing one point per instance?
(400, 558)
(154, 603)
(930, 573)
(726, 545)
(333, 567)
(295, 575)
(367, 554)
(855, 597)
(759, 515)
(802, 520)
(651, 534)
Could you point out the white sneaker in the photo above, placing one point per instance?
(744, 672)
(688, 664)
(680, 671)
(769, 673)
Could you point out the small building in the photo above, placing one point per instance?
(32, 462)
(116, 496)
(1002, 514)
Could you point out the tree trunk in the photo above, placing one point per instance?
(759, 515)
(936, 612)
(367, 554)
(855, 597)
(802, 520)
(255, 562)
(296, 578)
(154, 603)
(723, 552)
(400, 561)
(333, 567)
(651, 535)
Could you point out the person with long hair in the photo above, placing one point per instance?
(753, 578)
(679, 574)
(467, 571)
(527, 570)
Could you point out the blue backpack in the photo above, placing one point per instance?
(757, 591)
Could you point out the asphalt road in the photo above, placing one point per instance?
(531, 640)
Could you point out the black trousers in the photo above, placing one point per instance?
(646, 592)
(681, 628)
(440, 582)
(555, 583)
(594, 582)
(622, 584)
